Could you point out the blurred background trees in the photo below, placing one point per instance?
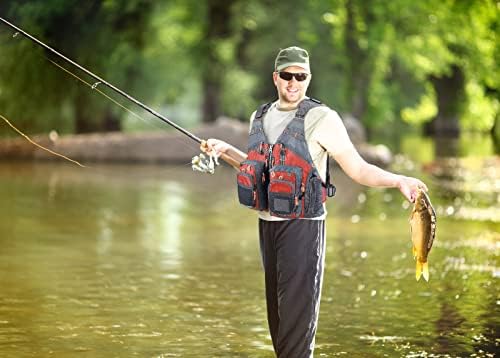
(394, 65)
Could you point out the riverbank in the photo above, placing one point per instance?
(154, 147)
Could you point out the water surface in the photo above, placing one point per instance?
(157, 261)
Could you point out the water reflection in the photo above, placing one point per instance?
(446, 147)
(162, 218)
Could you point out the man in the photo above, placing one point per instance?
(292, 224)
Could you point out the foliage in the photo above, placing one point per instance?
(377, 60)
(104, 36)
(455, 33)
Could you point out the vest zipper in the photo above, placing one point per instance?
(282, 155)
(270, 156)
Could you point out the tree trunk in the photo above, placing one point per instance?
(218, 27)
(82, 123)
(110, 122)
(358, 67)
(495, 134)
(449, 95)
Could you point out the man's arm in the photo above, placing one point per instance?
(331, 134)
(368, 174)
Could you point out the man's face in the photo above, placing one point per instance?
(291, 92)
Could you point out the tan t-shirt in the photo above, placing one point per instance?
(325, 134)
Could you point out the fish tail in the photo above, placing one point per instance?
(418, 271)
(425, 271)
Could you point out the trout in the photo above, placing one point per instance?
(423, 231)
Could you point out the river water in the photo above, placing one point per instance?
(157, 261)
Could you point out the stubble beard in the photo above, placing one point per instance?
(291, 99)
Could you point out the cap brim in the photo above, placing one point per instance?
(290, 64)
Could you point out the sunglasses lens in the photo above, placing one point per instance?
(300, 76)
(287, 76)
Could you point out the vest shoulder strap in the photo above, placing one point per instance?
(306, 105)
(262, 110)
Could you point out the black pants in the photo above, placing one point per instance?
(293, 253)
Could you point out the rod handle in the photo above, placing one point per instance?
(231, 161)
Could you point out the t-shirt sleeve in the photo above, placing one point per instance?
(331, 133)
(252, 117)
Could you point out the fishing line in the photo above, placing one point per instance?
(39, 145)
(94, 87)
(107, 84)
(196, 162)
(67, 158)
(101, 92)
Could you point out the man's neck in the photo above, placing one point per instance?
(288, 106)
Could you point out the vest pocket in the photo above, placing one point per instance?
(313, 204)
(252, 185)
(284, 191)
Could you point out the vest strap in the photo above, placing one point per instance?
(330, 188)
(263, 110)
(306, 105)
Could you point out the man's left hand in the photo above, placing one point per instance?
(409, 187)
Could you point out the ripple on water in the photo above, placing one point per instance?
(374, 338)
(262, 345)
(171, 276)
(142, 334)
(459, 264)
(426, 354)
(487, 240)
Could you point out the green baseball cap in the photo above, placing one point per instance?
(292, 56)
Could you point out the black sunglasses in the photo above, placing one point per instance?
(287, 76)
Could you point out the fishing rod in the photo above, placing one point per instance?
(99, 80)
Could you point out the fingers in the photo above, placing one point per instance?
(423, 186)
(208, 145)
(204, 146)
(216, 145)
(410, 186)
(420, 186)
(413, 195)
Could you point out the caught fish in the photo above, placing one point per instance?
(423, 231)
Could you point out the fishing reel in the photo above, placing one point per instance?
(200, 163)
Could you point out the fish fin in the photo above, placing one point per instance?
(412, 214)
(418, 271)
(425, 271)
(432, 236)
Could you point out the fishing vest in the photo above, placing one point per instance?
(281, 177)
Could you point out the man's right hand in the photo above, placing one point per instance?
(225, 151)
(215, 144)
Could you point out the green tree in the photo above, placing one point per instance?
(104, 36)
(450, 48)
